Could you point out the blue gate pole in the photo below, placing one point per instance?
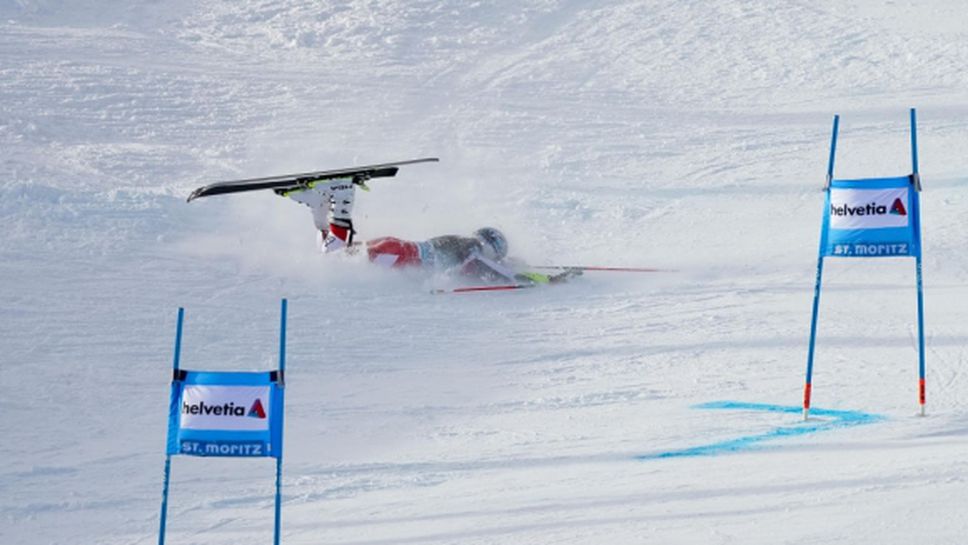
(921, 366)
(914, 141)
(807, 387)
(813, 339)
(833, 151)
(917, 179)
(282, 371)
(164, 491)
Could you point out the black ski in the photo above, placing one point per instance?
(293, 181)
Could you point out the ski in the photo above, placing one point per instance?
(527, 280)
(596, 268)
(473, 289)
(359, 174)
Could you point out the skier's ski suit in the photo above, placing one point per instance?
(444, 253)
(332, 206)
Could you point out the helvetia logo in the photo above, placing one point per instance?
(872, 209)
(257, 411)
(226, 409)
(898, 208)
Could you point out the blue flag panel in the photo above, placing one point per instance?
(874, 217)
(225, 414)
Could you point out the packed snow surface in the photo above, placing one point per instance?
(652, 408)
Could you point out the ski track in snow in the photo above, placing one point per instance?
(681, 135)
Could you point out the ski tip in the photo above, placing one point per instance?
(418, 161)
(198, 193)
(412, 161)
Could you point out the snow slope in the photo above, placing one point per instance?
(686, 135)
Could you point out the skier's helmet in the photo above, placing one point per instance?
(493, 241)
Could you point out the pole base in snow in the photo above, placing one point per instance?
(806, 414)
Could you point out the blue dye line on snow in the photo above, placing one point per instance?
(820, 420)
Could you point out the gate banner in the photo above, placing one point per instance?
(874, 217)
(225, 414)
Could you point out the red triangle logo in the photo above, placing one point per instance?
(257, 411)
(898, 208)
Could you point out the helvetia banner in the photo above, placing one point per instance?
(225, 414)
(875, 217)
